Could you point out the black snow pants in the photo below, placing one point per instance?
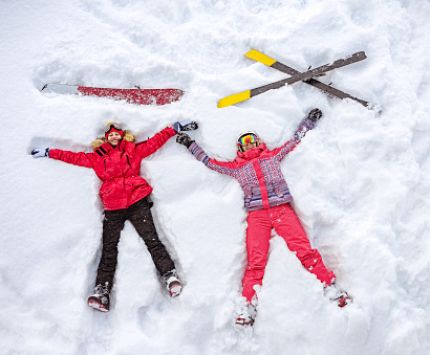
(139, 214)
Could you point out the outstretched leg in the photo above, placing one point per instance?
(257, 247)
(112, 225)
(140, 216)
(288, 226)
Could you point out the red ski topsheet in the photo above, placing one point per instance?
(136, 96)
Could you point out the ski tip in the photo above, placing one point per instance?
(59, 88)
(360, 55)
(234, 99)
(260, 57)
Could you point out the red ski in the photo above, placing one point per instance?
(135, 96)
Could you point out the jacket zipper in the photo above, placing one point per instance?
(261, 183)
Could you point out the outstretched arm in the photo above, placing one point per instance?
(151, 145)
(227, 168)
(79, 159)
(154, 143)
(306, 125)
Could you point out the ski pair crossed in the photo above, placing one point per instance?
(306, 77)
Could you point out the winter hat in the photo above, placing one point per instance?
(112, 128)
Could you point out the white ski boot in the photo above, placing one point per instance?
(173, 284)
(246, 313)
(338, 295)
(99, 300)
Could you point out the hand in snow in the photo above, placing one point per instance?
(184, 139)
(40, 152)
(186, 125)
(315, 114)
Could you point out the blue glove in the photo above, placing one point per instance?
(40, 152)
(186, 125)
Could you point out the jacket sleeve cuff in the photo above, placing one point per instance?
(192, 146)
(310, 124)
(52, 153)
(170, 131)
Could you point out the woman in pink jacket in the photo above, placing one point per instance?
(125, 195)
(267, 200)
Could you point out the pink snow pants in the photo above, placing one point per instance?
(288, 226)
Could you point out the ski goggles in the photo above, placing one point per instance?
(247, 138)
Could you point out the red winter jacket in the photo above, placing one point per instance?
(118, 168)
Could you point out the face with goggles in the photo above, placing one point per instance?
(247, 141)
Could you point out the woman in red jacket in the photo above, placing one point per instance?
(125, 195)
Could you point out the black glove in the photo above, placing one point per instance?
(315, 114)
(186, 125)
(184, 139)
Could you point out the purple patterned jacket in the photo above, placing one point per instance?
(258, 170)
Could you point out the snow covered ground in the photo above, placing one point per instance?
(360, 179)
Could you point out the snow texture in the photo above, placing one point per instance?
(360, 179)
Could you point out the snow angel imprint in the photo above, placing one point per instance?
(125, 196)
(267, 200)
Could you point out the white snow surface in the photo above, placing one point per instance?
(360, 180)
